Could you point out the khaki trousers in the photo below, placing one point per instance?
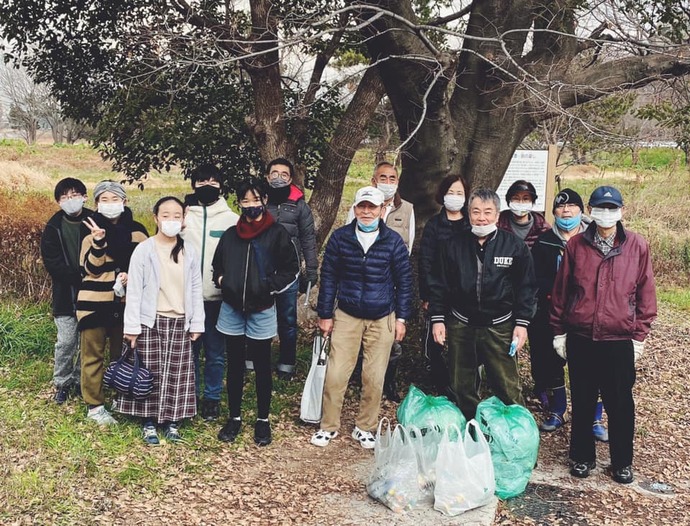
(376, 338)
(93, 360)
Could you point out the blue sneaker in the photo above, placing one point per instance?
(599, 431)
(553, 421)
(150, 435)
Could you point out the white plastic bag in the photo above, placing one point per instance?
(464, 472)
(395, 479)
(312, 395)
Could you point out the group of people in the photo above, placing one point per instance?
(581, 291)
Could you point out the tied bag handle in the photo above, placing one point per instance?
(136, 366)
(323, 354)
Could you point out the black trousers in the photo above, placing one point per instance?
(547, 366)
(607, 367)
(434, 353)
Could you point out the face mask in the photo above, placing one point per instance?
(368, 228)
(568, 223)
(72, 206)
(388, 190)
(483, 230)
(252, 212)
(111, 210)
(278, 182)
(606, 217)
(453, 203)
(207, 194)
(171, 228)
(520, 209)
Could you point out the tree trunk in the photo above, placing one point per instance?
(351, 130)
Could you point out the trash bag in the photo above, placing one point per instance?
(429, 412)
(395, 479)
(464, 471)
(312, 394)
(513, 438)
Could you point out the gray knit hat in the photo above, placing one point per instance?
(109, 186)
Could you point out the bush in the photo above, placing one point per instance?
(22, 274)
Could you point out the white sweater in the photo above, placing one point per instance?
(204, 226)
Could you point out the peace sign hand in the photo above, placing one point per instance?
(97, 232)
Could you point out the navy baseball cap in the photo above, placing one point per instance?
(606, 195)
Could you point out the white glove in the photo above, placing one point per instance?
(559, 345)
(638, 349)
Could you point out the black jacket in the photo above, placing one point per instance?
(507, 289)
(437, 231)
(547, 253)
(66, 278)
(254, 270)
(294, 214)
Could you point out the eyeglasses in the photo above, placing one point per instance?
(568, 205)
(275, 174)
(69, 196)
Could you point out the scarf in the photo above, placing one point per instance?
(247, 230)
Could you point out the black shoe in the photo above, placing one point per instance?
(262, 433)
(581, 469)
(624, 475)
(62, 394)
(285, 376)
(230, 430)
(210, 409)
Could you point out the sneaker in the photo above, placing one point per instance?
(624, 475)
(599, 431)
(210, 409)
(230, 430)
(322, 438)
(172, 433)
(552, 422)
(62, 394)
(365, 438)
(581, 469)
(101, 416)
(262, 433)
(150, 435)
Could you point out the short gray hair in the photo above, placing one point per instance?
(383, 163)
(485, 194)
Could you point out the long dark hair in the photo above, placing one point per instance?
(179, 245)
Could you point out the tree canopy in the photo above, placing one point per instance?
(239, 83)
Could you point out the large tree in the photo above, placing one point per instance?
(465, 87)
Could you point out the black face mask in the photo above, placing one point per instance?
(207, 194)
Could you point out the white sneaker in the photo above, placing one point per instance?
(365, 438)
(322, 438)
(101, 416)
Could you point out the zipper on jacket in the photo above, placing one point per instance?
(203, 244)
(246, 272)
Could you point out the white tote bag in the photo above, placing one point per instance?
(312, 395)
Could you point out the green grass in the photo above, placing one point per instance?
(679, 298)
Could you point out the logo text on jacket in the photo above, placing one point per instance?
(503, 261)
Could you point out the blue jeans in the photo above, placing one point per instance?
(213, 343)
(286, 307)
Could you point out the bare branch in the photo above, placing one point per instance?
(451, 18)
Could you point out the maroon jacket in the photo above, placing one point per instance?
(608, 297)
(539, 226)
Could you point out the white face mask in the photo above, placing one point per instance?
(171, 228)
(520, 209)
(72, 206)
(483, 230)
(606, 217)
(388, 190)
(111, 210)
(453, 203)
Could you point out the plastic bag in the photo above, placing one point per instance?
(513, 438)
(312, 394)
(395, 480)
(464, 471)
(428, 411)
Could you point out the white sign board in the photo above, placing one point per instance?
(530, 165)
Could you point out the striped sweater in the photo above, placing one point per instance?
(97, 305)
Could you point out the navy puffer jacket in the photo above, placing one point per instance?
(368, 286)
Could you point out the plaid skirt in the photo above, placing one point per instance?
(166, 351)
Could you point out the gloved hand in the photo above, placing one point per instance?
(559, 345)
(638, 349)
(305, 280)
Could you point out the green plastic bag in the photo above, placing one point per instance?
(429, 412)
(513, 438)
